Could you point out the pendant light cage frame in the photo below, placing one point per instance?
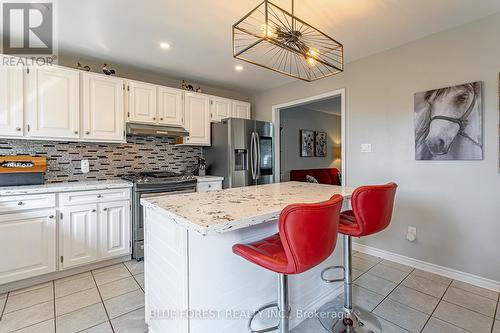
(270, 37)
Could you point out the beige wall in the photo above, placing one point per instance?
(295, 119)
(140, 74)
(454, 204)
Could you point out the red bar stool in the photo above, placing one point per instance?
(307, 236)
(371, 213)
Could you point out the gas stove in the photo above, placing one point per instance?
(158, 177)
(155, 183)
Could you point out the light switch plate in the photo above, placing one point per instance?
(366, 147)
(85, 166)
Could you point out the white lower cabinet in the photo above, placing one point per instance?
(114, 228)
(79, 237)
(95, 231)
(28, 242)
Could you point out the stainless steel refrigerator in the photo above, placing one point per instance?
(242, 152)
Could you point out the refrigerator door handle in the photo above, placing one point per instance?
(257, 160)
(252, 163)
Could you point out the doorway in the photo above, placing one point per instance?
(329, 107)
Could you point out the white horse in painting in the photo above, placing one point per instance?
(449, 127)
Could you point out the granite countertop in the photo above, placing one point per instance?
(64, 187)
(202, 179)
(231, 209)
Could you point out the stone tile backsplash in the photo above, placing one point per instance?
(107, 161)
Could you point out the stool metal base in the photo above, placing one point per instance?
(356, 320)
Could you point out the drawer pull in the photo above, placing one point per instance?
(20, 203)
(51, 216)
(105, 209)
(93, 210)
(99, 196)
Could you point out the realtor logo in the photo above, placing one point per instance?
(27, 28)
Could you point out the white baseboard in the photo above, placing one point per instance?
(426, 266)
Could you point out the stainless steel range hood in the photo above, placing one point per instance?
(156, 130)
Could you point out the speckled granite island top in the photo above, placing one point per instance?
(231, 209)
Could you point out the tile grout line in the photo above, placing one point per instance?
(93, 303)
(440, 300)
(54, 291)
(476, 294)
(133, 276)
(385, 297)
(102, 302)
(5, 305)
(27, 291)
(496, 312)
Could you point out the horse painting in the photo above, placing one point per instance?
(448, 123)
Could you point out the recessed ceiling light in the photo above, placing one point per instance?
(239, 68)
(165, 45)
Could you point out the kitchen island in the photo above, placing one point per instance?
(193, 281)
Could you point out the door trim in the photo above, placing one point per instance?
(277, 136)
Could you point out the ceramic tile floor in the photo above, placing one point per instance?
(111, 300)
(410, 300)
(105, 300)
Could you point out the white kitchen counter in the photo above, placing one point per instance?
(231, 209)
(64, 187)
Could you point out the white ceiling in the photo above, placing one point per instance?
(129, 31)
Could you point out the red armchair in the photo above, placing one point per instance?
(328, 176)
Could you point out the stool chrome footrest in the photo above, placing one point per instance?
(323, 272)
(259, 310)
(356, 320)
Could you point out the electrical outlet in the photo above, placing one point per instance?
(366, 147)
(411, 235)
(85, 166)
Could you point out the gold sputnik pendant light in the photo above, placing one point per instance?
(275, 39)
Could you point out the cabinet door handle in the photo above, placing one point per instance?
(154, 118)
(99, 196)
(87, 132)
(161, 118)
(20, 203)
(105, 209)
(51, 216)
(18, 129)
(76, 132)
(93, 210)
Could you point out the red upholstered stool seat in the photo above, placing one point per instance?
(307, 236)
(268, 253)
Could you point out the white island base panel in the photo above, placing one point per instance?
(189, 273)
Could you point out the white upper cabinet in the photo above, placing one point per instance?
(142, 106)
(114, 229)
(52, 103)
(220, 108)
(11, 101)
(102, 108)
(241, 110)
(170, 108)
(197, 119)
